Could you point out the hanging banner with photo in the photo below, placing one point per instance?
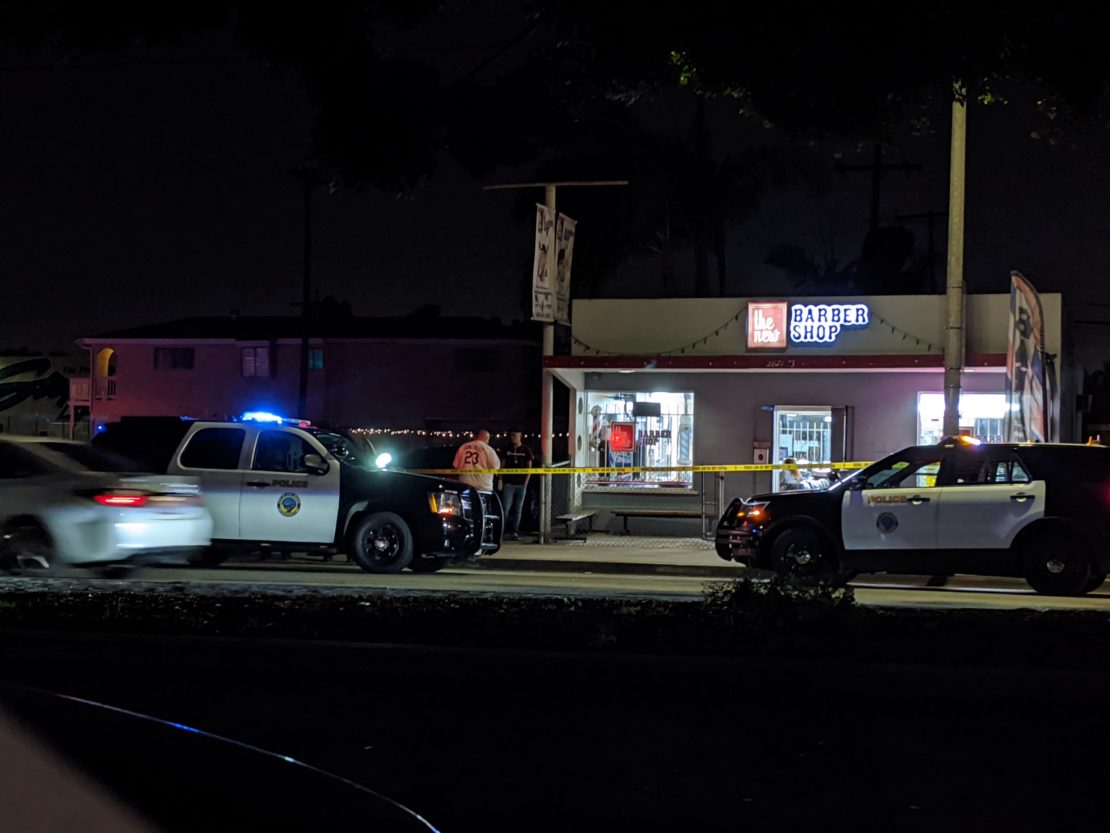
(543, 267)
(1030, 372)
(564, 236)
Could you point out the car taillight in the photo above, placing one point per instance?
(120, 500)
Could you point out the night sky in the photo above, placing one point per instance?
(154, 184)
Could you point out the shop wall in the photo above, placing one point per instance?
(653, 326)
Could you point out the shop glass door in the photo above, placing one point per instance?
(802, 435)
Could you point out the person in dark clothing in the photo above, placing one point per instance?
(514, 487)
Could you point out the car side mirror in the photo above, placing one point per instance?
(315, 464)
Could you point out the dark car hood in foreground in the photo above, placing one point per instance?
(182, 779)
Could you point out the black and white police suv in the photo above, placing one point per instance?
(1040, 511)
(283, 485)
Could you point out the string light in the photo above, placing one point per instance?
(906, 336)
(448, 435)
(676, 350)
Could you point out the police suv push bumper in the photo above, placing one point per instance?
(477, 531)
(740, 529)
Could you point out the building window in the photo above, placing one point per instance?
(316, 359)
(641, 430)
(982, 415)
(174, 358)
(256, 361)
(478, 359)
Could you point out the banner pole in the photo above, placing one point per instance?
(547, 403)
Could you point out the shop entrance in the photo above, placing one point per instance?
(808, 434)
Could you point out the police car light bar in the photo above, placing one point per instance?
(274, 419)
(261, 416)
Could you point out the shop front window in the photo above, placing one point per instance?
(641, 430)
(982, 416)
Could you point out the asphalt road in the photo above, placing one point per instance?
(965, 592)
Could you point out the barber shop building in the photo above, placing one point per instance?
(693, 381)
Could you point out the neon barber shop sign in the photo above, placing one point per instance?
(823, 323)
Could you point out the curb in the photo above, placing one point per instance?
(610, 567)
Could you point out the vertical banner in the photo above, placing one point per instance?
(1030, 375)
(564, 235)
(543, 267)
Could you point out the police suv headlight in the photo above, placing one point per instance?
(751, 514)
(445, 503)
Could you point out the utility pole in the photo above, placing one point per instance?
(876, 169)
(954, 331)
(547, 396)
(929, 217)
(310, 175)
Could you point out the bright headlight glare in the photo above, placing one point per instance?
(445, 503)
(383, 459)
(752, 512)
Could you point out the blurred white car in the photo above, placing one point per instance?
(64, 502)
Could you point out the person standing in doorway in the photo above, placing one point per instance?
(514, 487)
(477, 454)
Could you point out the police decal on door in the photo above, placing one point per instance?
(887, 522)
(289, 504)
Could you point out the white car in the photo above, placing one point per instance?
(69, 503)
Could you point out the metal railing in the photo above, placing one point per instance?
(80, 391)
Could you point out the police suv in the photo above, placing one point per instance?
(283, 485)
(1039, 511)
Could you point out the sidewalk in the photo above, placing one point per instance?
(616, 554)
(644, 555)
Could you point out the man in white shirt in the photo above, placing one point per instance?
(477, 454)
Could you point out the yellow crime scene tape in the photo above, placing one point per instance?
(657, 469)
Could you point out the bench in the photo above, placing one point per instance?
(571, 521)
(625, 514)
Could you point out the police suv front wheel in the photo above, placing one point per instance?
(803, 555)
(1058, 564)
(381, 542)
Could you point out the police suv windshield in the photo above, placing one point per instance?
(345, 450)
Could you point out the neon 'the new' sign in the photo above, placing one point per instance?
(822, 323)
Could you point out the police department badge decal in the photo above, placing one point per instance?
(289, 505)
(887, 522)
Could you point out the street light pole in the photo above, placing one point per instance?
(954, 332)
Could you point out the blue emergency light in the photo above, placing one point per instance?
(261, 416)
